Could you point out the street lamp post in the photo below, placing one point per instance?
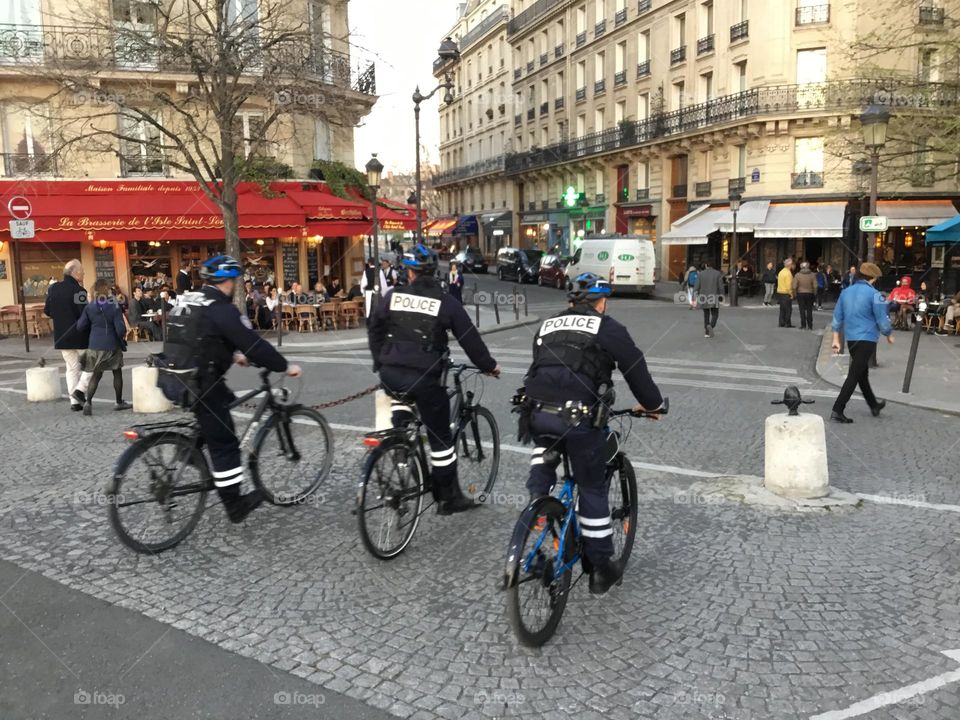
(734, 198)
(448, 51)
(874, 122)
(374, 172)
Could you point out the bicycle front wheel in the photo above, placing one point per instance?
(158, 492)
(478, 453)
(391, 499)
(622, 496)
(292, 454)
(537, 578)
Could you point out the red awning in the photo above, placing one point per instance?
(326, 206)
(148, 210)
(440, 227)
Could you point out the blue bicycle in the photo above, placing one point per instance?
(547, 542)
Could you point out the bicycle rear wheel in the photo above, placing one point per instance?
(478, 453)
(292, 454)
(537, 579)
(158, 492)
(622, 496)
(391, 499)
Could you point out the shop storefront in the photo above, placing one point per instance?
(497, 232)
(902, 249)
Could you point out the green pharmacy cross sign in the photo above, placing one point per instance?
(571, 197)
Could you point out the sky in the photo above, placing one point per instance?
(402, 37)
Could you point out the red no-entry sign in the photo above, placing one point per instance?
(20, 208)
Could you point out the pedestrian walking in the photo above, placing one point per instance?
(708, 293)
(785, 294)
(104, 320)
(805, 288)
(368, 285)
(65, 303)
(769, 284)
(861, 314)
(184, 280)
(821, 286)
(690, 282)
(455, 282)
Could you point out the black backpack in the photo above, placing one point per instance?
(179, 364)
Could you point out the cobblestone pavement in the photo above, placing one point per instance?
(726, 611)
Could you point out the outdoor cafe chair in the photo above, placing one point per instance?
(328, 316)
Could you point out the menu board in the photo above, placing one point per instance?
(106, 270)
(313, 267)
(291, 264)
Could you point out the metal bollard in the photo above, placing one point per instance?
(526, 311)
(496, 307)
(911, 361)
(279, 312)
(476, 304)
(516, 304)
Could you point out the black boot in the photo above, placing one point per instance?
(605, 575)
(881, 404)
(239, 506)
(457, 503)
(838, 416)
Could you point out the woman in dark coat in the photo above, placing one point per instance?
(455, 282)
(108, 332)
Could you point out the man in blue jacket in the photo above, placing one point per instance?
(861, 314)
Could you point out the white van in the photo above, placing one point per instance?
(628, 262)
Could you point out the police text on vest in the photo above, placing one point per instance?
(572, 323)
(400, 302)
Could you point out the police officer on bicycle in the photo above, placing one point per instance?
(227, 337)
(408, 341)
(574, 354)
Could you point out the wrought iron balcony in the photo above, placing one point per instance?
(96, 49)
(705, 45)
(543, 59)
(533, 13)
(643, 69)
(498, 16)
(600, 28)
(581, 39)
(679, 191)
(599, 87)
(517, 73)
(530, 66)
(740, 31)
(600, 199)
(558, 103)
(558, 51)
(643, 194)
(484, 167)
(620, 78)
(702, 189)
(581, 94)
(806, 179)
(643, 6)
(737, 185)
(544, 204)
(766, 101)
(813, 15)
(620, 18)
(678, 55)
(29, 165)
(531, 114)
(138, 165)
(544, 108)
(517, 120)
(931, 15)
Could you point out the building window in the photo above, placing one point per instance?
(581, 19)
(679, 94)
(706, 18)
(808, 163)
(741, 161)
(740, 76)
(643, 106)
(581, 187)
(321, 140)
(140, 148)
(598, 66)
(811, 66)
(599, 119)
(706, 86)
(599, 181)
(643, 46)
(929, 65)
(620, 111)
(680, 26)
(643, 175)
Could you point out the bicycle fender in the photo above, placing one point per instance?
(540, 506)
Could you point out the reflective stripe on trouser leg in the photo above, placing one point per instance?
(401, 414)
(585, 447)
(543, 475)
(443, 458)
(226, 478)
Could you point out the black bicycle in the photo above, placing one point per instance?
(396, 474)
(547, 540)
(160, 483)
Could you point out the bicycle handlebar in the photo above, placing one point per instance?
(659, 412)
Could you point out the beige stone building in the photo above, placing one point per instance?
(43, 43)
(646, 114)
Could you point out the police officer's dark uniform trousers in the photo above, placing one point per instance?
(224, 331)
(408, 341)
(574, 353)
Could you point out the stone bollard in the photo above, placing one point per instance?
(384, 415)
(795, 452)
(147, 397)
(43, 384)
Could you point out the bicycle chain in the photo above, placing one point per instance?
(331, 403)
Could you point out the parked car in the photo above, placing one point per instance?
(628, 262)
(471, 260)
(551, 272)
(520, 265)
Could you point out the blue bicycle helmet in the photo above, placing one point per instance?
(420, 259)
(589, 286)
(220, 268)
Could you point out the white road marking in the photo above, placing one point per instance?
(884, 500)
(23, 369)
(894, 697)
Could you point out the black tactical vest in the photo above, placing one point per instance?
(413, 320)
(569, 340)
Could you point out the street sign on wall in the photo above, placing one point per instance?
(21, 229)
(20, 208)
(873, 223)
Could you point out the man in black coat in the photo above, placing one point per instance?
(708, 294)
(184, 281)
(64, 305)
